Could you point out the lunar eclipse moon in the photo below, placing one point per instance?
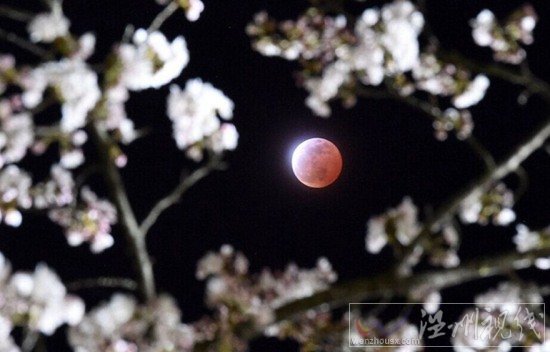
(317, 162)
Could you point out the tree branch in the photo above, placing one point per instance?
(126, 216)
(525, 79)
(163, 16)
(25, 45)
(503, 169)
(103, 282)
(15, 14)
(175, 196)
(389, 283)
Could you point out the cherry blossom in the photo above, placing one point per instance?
(46, 27)
(494, 202)
(14, 194)
(505, 39)
(194, 114)
(57, 191)
(37, 300)
(16, 133)
(400, 223)
(123, 325)
(151, 61)
(74, 82)
(87, 221)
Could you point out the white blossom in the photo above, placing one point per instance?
(402, 221)
(57, 191)
(87, 221)
(151, 61)
(483, 26)
(6, 341)
(473, 94)
(324, 88)
(38, 301)
(526, 239)
(194, 10)
(16, 134)
(505, 39)
(46, 27)
(403, 23)
(14, 194)
(74, 82)
(194, 114)
(123, 325)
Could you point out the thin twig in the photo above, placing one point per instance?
(482, 152)
(30, 338)
(523, 179)
(177, 193)
(126, 215)
(103, 282)
(433, 113)
(25, 44)
(163, 16)
(15, 14)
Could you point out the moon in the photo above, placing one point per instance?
(317, 162)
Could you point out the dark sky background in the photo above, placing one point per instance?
(257, 205)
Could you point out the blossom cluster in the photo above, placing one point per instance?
(87, 95)
(494, 202)
(340, 56)
(123, 325)
(37, 301)
(399, 227)
(518, 323)
(528, 240)
(194, 113)
(241, 299)
(505, 39)
(87, 221)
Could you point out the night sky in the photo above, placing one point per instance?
(257, 205)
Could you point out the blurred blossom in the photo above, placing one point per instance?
(336, 58)
(16, 133)
(494, 203)
(57, 191)
(194, 114)
(14, 194)
(510, 303)
(402, 23)
(75, 85)
(433, 76)
(399, 224)
(151, 61)
(116, 118)
(452, 119)
(527, 240)
(37, 301)
(192, 8)
(89, 220)
(473, 93)
(505, 39)
(85, 47)
(6, 341)
(46, 27)
(428, 296)
(121, 325)
(240, 298)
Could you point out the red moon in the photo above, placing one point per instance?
(317, 162)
